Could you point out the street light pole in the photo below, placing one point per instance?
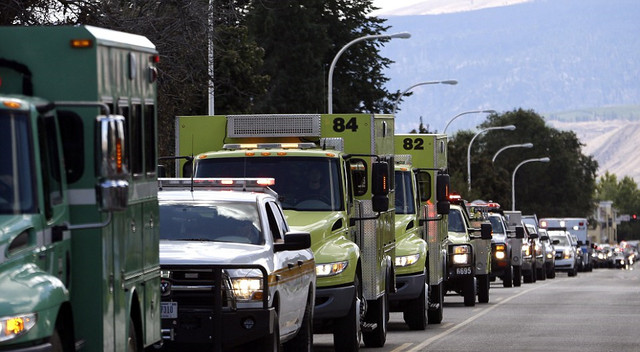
(525, 145)
(513, 178)
(467, 112)
(508, 128)
(401, 35)
(395, 104)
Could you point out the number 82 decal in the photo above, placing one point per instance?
(413, 144)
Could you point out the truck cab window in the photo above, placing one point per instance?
(72, 134)
(17, 181)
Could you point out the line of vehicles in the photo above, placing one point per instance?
(275, 227)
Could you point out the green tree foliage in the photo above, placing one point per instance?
(626, 199)
(301, 38)
(563, 187)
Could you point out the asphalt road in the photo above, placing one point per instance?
(596, 311)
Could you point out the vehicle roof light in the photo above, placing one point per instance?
(81, 43)
(235, 184)
(12, 104)
(454, 196)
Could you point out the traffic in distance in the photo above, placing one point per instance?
(276, 230)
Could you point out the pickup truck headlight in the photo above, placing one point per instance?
(14, 326)
(407, 260)
(526, 249)
(500, 251)
(461, 254)
(247, 288)
(331, 269)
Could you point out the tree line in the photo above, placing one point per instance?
(273, 56)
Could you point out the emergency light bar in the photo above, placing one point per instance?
(245, 146)
(243, 184)
(403, 159)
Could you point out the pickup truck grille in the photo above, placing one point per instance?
(195, 287)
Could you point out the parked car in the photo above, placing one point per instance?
(566, 259)
(232, 272)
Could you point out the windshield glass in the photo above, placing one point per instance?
(302, 183)
(496, 225)
(16, 169)
(210, 221)
(455, 221)
(562, 239)
(405, 203)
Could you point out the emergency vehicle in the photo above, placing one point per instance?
(429, 162)
(470, 253)
(79, 264)
(231, 234)
(333, 176)
(505, 244)
(578, 228)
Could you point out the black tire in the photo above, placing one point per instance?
(541, 273)
(415, 312)
(377, 313)
(56, 342)
(527, 276)
(573, 271)
(347, 333)
(469, 292)
(517, 276)
(303, 341)
(534, 273)
(483, 288)
(132, 339)
(507, 279)
(436, 296)
(551, 272)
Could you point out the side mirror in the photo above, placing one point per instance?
(544, 238)
(187, 169)
(580, 243)
(380, 186)
(485, 231)
(112, 191)
(533, 236)
(294, 241)
(162, 171)
(442, 194)
(556, 241)
(519, 232)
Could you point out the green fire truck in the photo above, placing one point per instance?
(334, 178)
(79, 264)
(428, 161)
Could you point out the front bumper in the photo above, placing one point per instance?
(408, 287)
(333, 302)
(195, 327)
(565, 264)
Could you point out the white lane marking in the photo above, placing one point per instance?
(426, 343)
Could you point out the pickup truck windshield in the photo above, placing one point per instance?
(456, 222)
(17, 194)
(302, 183)
(210, 221)
(405, 202)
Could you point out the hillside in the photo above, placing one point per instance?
(549, 56)
(573, 61)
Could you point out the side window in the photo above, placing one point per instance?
(50, 161)
(276, 221)
(424, 185)
(135, 139)
(150, 139)
(123, 109)
(72, 134)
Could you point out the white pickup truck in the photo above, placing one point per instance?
(232, 271)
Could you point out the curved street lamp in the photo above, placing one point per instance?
(401, 35)
(467, 112)
(513, 178)
(508, 128)
(395, 104)
(525, 145)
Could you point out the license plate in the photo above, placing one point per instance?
(169, 310)
(463, 271)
